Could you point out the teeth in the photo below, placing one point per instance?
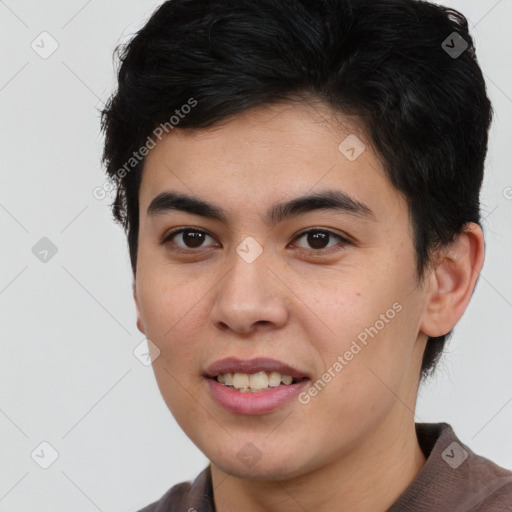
(274, 379)
(286, 379)
(258, 381)
(255, 381)
(241, 380)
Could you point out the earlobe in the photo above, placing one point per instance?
(453, 281)
(140, 325)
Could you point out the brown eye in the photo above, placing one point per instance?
(190, 238)
(319, 239)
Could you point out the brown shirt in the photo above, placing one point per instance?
(453, 479)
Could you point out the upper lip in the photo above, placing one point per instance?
(258, 364)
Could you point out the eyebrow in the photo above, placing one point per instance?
(335, 200)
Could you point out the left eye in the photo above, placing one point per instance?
(193, 238)
(318, 238)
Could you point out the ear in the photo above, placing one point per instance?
(140, 325)
(452, 282)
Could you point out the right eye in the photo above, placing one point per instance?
(191, 238)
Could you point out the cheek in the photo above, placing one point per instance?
(372, 328)
(172, 312)
(167, 298)
(170, 309)
(348, 307)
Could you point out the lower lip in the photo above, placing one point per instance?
(260, 402)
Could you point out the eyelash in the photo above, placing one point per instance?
(320, 252)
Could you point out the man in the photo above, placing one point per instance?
(299, 182)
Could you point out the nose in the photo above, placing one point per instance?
(250, 297)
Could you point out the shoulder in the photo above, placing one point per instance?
(454, 477)
(172, 500)
(188, 496)
(491, 486)
(484, 486)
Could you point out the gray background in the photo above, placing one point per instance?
(68, 373)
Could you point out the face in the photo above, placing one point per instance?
(328, 289)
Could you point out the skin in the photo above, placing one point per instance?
(354, 443)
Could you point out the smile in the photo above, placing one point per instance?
(260, 381)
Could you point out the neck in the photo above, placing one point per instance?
(369, 478)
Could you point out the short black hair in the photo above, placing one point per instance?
(406, 68)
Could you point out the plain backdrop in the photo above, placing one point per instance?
(69, 376)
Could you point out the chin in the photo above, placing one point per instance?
(277, 467)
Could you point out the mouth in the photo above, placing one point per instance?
(256, 373)
(255, 386)
(256, 382)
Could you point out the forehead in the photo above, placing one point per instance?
(267, 154)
